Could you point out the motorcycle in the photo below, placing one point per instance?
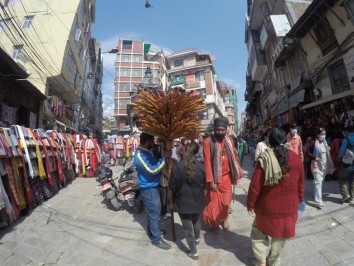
(127, 189)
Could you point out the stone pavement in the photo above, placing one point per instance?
(76, 228)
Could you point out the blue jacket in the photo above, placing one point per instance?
(149, 169)
(343, 147)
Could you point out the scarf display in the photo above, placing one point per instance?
(271, 167)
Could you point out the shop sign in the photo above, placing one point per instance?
(178, 80)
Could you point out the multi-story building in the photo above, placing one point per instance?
(194, 70)
(52, 42)
(268, 83)
(133, 59)
(308, 52)
(228, 94)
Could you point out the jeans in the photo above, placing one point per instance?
(318, 180)
(191, 225)
(152, 203)
(261, 244)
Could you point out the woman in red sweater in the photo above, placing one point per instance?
(275, 192)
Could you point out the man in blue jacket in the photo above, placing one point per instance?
(149, 170)
(346, 175)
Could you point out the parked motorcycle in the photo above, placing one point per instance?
(127, 189)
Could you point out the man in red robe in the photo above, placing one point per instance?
(222, 171)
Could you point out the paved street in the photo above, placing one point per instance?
(76, 228)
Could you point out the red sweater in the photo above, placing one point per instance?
(282, 199)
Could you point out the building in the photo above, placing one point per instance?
(194, 70)
(19, 99)
(52, 42)
(268, 83)
(229, 97)
(305, 74)
(133, 59)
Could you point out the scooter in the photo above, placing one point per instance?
(127, 189)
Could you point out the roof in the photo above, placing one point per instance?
(309, 18)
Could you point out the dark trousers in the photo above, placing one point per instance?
(164, 199)
(191, 225)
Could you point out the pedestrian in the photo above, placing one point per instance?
(308, 157)
(222, 171)
(334, 149)
(346, 172)
(274, 194)
(321, 165)
(187, 193)
(241, 148)
(262, 145)
(294, 142)
(251, 147)
(149, 171)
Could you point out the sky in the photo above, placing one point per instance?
(215, 26)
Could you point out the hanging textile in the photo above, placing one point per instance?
(19, 133)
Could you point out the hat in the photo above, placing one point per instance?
(221, 121)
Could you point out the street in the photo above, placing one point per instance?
(75, 227)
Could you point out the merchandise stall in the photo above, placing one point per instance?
(34, 165)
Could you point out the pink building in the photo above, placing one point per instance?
(132, 61)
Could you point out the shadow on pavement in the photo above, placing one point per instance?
(229, 241)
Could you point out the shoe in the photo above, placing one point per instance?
(167, 215)
(320, 206)
(345, 199)
(197, 241)
(255, 262)
(162, 245)
(193, 256)
(225, 225)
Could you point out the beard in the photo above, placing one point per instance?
(219, 136)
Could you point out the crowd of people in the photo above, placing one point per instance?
(205, 171)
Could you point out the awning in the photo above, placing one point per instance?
(328, 99)
(297, 98)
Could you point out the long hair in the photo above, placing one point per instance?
(277, 138)
(192, 149)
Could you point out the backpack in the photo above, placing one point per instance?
(348, 156)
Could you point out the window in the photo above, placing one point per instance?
(199, 76)
(137, 72)
(6, 3)
(137, 58)
(27, 21)
(123, 58)
(16, 51)
(339, 77)
(125, 72)
(127, 44)
(70, 63)
(122, 103)
(155, 73)
(325, 36)
(178, 62)
(83, 13)
(349, 5)
(123, 87)
(5, 24)
(266, 11)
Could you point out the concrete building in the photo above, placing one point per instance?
(133, 59)
(308, 78)
(52, 42)
(194, 70)
(267, 83)
(229, 97)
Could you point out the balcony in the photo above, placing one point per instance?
(192, 85)
(259, 64)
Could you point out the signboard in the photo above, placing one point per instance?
(178, 80)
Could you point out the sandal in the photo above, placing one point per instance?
(193, 256)
(225, 225)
